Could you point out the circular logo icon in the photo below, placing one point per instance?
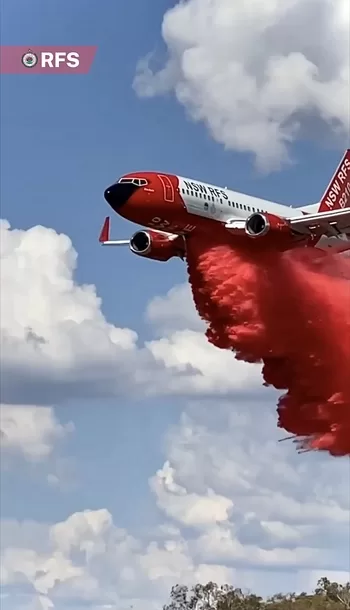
(29, 59)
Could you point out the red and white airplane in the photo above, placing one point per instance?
(173, 208)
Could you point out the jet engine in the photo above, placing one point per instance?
(157, 245)
(258, 225)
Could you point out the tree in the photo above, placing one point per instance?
(200, 597)
(334, 592)
(327, 596)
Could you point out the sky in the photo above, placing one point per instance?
(134, 454)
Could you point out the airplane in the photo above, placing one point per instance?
(171, 209)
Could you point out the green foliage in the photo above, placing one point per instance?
(327, 596)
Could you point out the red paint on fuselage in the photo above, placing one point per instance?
(159, 205)
(148, 201)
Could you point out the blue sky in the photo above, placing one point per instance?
(63, 140)
(67, 138)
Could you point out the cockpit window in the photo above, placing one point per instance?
(136, 181)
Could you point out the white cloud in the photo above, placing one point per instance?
(183, 348)
(49, 323)
(247, 511)
(174, 312)
(86, 559)
(256, 72)
(189, 508)
(31, 431)
(237, 506)
(205, 369)
(282, 505)
(57, 345)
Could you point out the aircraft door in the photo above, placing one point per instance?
(168, 189)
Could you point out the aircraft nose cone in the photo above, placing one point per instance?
(109, 194)
(118, 194)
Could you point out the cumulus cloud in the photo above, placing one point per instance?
(31, 431)
(203, 367)
(187, 507)
(235, 505)
(174, 312)
(258, 74)
(181, 346)
(55, 339)
(56, 343)
(86, 558)
(281, 505)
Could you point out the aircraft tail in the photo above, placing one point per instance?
(337, 193)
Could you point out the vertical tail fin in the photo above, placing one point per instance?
(337, 194)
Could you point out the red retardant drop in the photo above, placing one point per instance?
(291, 312)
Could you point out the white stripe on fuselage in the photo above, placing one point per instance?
(222, 204)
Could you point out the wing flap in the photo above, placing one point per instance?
(330, 223)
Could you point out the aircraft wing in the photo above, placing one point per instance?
(330, 224)
(104, 236)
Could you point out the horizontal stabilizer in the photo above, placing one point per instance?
(104, 236)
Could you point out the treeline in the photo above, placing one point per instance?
(327, 596)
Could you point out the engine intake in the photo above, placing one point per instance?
(157, 245)
(258, 225)
(140, 243)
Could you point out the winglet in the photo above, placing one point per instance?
(104, 235)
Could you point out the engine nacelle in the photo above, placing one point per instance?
(258, 225)
(157, 246)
